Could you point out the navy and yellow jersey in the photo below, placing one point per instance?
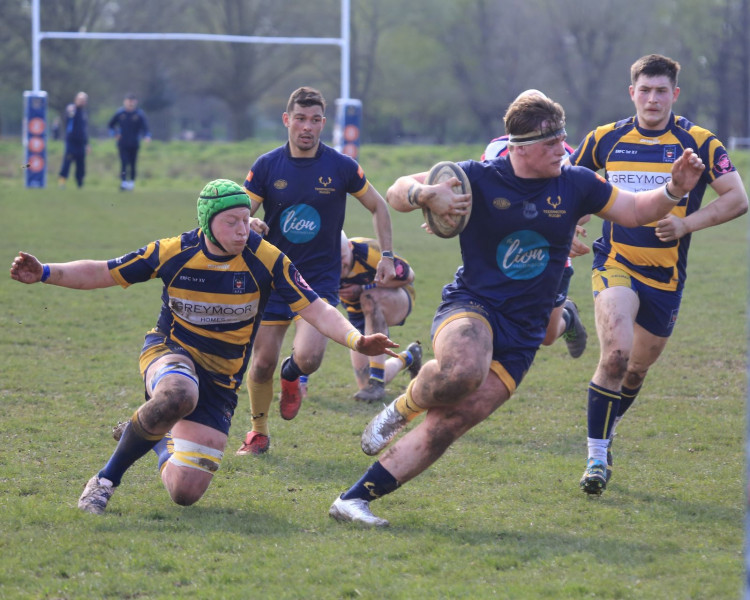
(304, 200)
(516, 242)
(131, 125)
(366, 256)
(211, 305)
(636, 159)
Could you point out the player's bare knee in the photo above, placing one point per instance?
(615, 363)
(368, 301)
(634, 379)
(457, 380)
(185, 399)
(196, 465)
(261, 371)
(176, 398)
(173, 387)
(310, 362)
(185, 497)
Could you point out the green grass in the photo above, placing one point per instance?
(499, 516)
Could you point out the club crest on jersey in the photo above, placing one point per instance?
(501, 203)
(670, 154)
(529, 210)
(280, 184)
(554, 213)
(324, 188)
(723, 165)
(238, 284)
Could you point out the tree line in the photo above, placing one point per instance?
(432, 71)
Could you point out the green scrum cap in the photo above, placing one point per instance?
(217, 196)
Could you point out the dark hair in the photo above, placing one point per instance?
(531, 112)
(306, 96)
(653, 65)
(131, 96)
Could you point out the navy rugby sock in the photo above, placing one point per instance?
(602, 410)
(376, 482)
(132, 446)
(289, 369)
(627, 397)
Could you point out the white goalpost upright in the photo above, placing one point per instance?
(346, 129)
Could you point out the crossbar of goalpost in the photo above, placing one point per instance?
(37, 36)
(349, 111)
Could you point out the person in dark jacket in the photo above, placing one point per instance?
(128, 125)
(76, 139)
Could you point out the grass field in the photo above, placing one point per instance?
(499, 516)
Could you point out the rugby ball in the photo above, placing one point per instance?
(441, 172)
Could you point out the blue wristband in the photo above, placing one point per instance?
(45, 273)
(368, 286)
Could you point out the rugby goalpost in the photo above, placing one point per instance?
(348, 110)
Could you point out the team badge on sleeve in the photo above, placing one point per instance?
(300, 281)
(723, 165)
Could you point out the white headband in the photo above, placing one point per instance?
(525, 139)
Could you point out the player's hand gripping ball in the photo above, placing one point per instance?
(443, 171)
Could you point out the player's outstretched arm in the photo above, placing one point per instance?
(331, 323)
(78, 275)
(731, 202)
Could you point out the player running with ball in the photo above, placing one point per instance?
(493, 316)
